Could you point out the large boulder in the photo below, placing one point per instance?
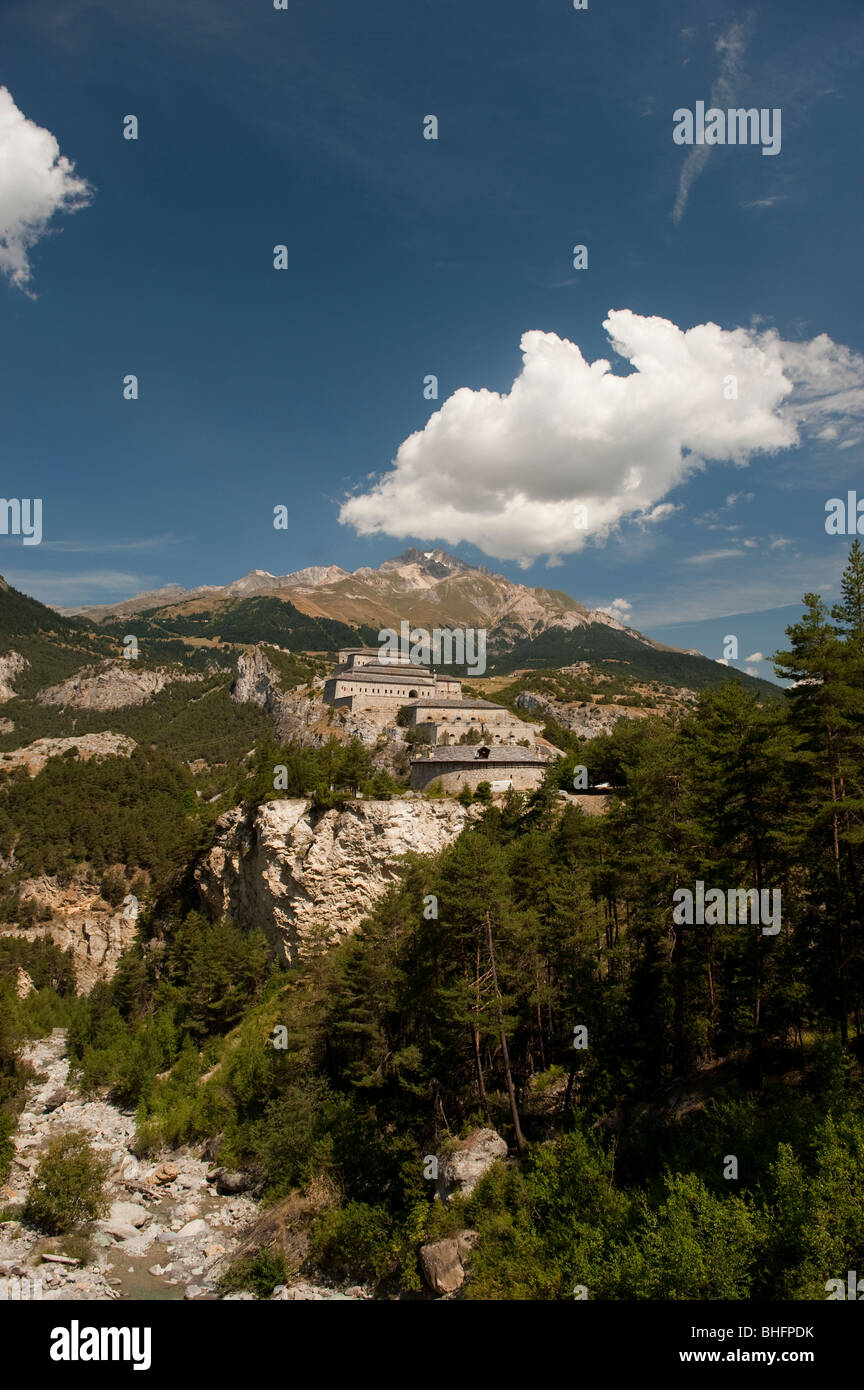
(56, 1099)
(120, 1230)
(164, 1172)
(227, 1182)
(462, 1167)
(443, 1261)
(128, 1213)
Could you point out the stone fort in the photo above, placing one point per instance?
(365, 681)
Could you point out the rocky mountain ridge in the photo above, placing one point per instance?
(438, 588)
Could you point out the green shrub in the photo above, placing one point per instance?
(77, 1246)
(357, 1241)
(693, 1246)
(260, 1273)
(68, 1188)
(7, 1146)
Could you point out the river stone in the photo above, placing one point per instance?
(193, 1229)
(228, 1183)
(55, 1100)
(130, 1213)
(120, 1230)
(164, 1172)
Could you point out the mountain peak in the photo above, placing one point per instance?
(436, 563)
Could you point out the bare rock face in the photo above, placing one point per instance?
(23, 984)
(11, 665)
(112, 685)
(462, 1167)
(301, 714)
(36, 754)
(81, 922)
(297, 714)
(583, 717)
(256, 682)
(309, 878)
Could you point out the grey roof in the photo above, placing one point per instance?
(373, 651)
(416, 675)
(466, 753)
(457, 704)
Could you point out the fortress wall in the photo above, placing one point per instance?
(453, 776)
(490, 733)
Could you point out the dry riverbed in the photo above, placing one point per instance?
(169, 1233)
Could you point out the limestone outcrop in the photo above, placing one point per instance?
(307, 878)
(113, 685)
(35, 755)
(583, 718)
(302, 715)
(81, 921)
(256, 681)
(11, 665)
(24, 986)
(299, 714)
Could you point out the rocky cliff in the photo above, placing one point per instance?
(307, 878)
(35, 755)
(301, 714)
(297, 714)
(583, 718)
(81, 921)
(112, 685)
(11, 665)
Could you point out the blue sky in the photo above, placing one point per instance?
(408, 257)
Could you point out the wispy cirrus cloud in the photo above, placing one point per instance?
(80, 547)
(84, 586)
(708, 557)
(730, 48)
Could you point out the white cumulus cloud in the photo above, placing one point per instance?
(36, 182)
(574, 448)
(619, 608)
